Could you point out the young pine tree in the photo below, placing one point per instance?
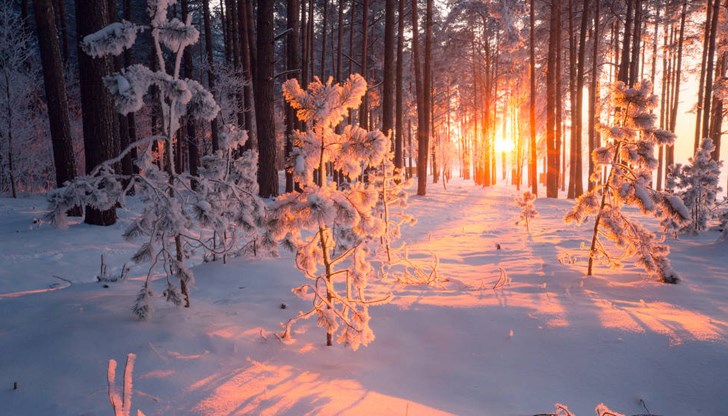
(328, 227)
(629, 157)
(696, 183)
(177, 207)
(528, 210)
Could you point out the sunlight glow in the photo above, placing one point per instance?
(504, 145)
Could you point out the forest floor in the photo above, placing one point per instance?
(548, 335)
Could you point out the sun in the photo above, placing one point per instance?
(504, 145)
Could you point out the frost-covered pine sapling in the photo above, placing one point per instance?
(392, 204)
(329, 228)
(528, 210)
(175, 213)
(696, 183)
(629, 157)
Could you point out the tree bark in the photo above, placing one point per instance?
(55, 90)
(552, 144)
(533, 160)
(399, 99)
(264, 95)
(293, 62)
(390, 51)
(98, 113)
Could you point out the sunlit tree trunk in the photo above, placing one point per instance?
(552, 141)
(532, 165)
(593, 94)
(293, 62)
(710, 65)
(703, 68)
(399, 99)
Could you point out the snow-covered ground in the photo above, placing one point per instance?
(549, 336)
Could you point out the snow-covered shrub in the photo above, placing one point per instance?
(330, 228)
(26, 160)
(217, 210)
(629, 156)
(696, 183)
(528, 210)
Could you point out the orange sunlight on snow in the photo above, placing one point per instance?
(547, 280)
(265, 389)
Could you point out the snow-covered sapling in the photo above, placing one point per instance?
(392, 204)
(224, 195)
(330, 228)
(696, 183)
(528, 210)
(121, 403)
(629, 157)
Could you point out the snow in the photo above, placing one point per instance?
(550, 335)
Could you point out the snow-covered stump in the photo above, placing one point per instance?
(330, 227)
(629, 158)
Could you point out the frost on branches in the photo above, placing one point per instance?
(696, 183)
(629, 156)
(330, 228)
(217, 211)
(528, 210)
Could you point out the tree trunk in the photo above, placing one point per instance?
(624, 66)
(708, 94)
(593, 91)
(421, 110)
(532, 165)
(264, 96)
(293, 62)
(552, 141)
(703, 67)
(98, 113)
(390, 51)
(399, 134)
(578, 161)
(55, 90)
(364, 109)
(211, 69)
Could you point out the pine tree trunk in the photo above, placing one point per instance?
(552, 142)
(214, 131)
(578, 160)
(324, 31)
(399, 101)
(710, 65)
(703, 67)
(390, 51)
(264, 98)
(421, 110)
(593, 91)
(98, 113)
(60, 8)
(624, 65)
(55, 89)
(293, 62)
(533, 160)
(364, 108)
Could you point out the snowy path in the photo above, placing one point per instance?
(549, 336)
